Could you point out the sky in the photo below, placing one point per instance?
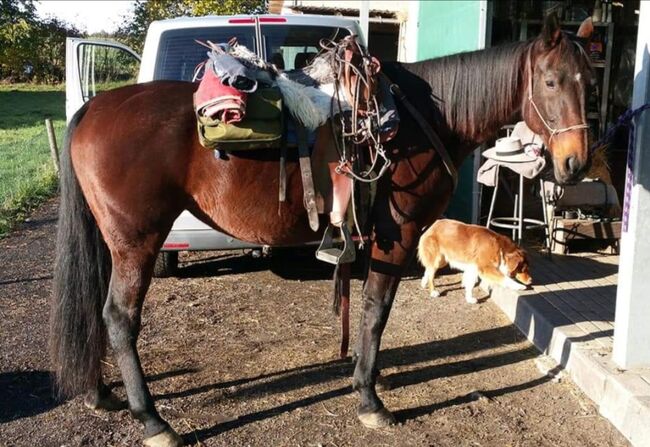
(91, 16)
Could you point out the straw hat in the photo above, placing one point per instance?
(508, 150)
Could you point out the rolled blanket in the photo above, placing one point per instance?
(215, 100)
(232, 72)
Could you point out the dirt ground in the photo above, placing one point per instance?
(241, 351)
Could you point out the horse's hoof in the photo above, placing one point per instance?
(382, 383)
(166, 438)
(379, 419)
(110, 402)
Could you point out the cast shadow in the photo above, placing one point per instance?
(298, 263)
(5, 282)
(25, 394)
(221, 265)
(569, 268)
(284, 381)
(30, 108)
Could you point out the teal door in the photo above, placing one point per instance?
(448, 27)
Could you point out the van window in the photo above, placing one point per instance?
(178, 53)
(294, 46)
(104, 67)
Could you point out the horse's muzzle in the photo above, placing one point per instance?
(571, 169)
(571, 160)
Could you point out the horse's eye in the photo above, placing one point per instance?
(550, 84)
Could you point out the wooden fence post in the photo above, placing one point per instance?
(54, 151)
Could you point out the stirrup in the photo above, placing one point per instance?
(327, 252)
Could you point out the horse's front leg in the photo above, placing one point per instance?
(130, 280)
(386, 267)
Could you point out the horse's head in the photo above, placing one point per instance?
(557, 75)
(358, 70)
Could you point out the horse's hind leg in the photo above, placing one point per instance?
(130, 280)
(102, 398)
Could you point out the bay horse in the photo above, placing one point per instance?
(132, 162)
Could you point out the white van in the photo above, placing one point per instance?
(171, 53)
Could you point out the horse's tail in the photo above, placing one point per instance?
(81, 275)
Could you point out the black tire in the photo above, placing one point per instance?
(166, 264)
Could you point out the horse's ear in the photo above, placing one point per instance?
(551, 32)
(586, 29)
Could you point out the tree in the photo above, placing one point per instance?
(145, 12)
(17, 19)
(13, 10)
(49, 58)
(30, 48)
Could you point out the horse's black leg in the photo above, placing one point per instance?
(129, 283)
(378, 298)
(386, 268)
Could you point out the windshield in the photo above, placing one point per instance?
(294, 46)
(178, 53)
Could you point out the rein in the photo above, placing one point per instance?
(552, 130)
(433, 137)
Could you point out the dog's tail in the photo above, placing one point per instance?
(427, 248)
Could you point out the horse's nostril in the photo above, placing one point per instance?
(572, 165)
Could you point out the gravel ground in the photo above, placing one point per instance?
(242, 351)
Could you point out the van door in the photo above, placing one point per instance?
(93, 66)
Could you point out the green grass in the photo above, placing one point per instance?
(27, 175)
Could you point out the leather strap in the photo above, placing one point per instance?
(282, 193)
(309, 196)
(344, 284)
(433, 137)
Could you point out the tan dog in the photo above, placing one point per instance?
(478, 252)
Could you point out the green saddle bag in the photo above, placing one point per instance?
(261, 127)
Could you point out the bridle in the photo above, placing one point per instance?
(362, 126)
(552, 130)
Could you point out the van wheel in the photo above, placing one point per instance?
(166, 264)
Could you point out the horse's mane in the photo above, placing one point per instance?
(478, 90)
(473, 91)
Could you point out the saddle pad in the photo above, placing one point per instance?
(261, 127)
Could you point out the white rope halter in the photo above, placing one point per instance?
(552, 130)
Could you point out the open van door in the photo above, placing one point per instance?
(93, 66)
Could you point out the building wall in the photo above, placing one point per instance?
(447, 27)
(377, 5)
(443, 28)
